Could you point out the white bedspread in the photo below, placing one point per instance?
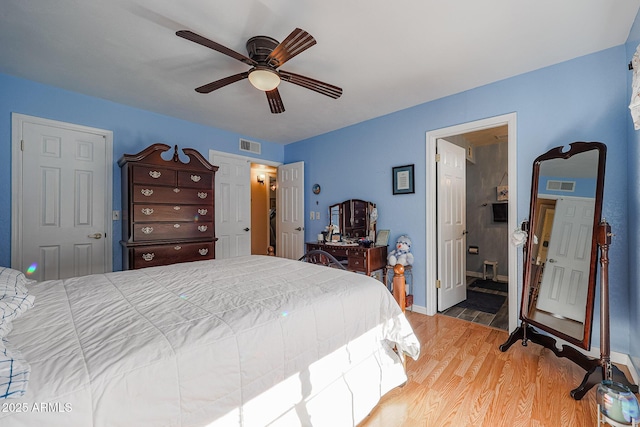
(250, 341)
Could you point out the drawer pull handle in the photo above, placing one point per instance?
(147, 230)
(155, 174)
(203, 251)
(176, 190)
(176, 225)
(202, 195)
(177, 248)
(176, 208)
(146, 192)
(202, 211)
(148, 257)
(202, 228)
(147, 211)
(196, 178)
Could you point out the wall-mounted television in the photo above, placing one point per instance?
(500, 212)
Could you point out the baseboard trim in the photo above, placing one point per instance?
(618, 359)
(418, 309)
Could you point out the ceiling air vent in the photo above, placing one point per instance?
(250, 146)
(555, 185)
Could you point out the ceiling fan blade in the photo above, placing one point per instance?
(309, 83)
(210, 87)
(275, 102)
(295, 43)
(196, 38)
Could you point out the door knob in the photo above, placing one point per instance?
(551, 260)
(299, 229)
(95, 236)
(246, 229)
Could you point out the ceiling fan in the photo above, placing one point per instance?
(266, 55)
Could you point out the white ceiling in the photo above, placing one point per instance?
(386, 55)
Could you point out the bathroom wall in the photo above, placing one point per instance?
(492, 238)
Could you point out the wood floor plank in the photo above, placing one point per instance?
(463, 379)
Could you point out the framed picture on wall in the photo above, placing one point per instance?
(502, 193)
(382, 239)
(403, 180)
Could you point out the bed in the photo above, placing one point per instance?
(251, 341)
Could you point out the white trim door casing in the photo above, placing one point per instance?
(61, 198)
(431, 215)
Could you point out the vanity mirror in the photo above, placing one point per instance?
(354, 218)
(561, 256)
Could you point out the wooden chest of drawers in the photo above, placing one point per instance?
(168, 208)
(358, 258)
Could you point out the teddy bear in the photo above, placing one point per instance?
(401, 254)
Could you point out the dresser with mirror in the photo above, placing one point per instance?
(352, 240)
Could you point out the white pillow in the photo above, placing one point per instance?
(14, 372)
(13, 281)
(14, 298)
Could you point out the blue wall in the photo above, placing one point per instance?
(633, 159)
(579, 100)
(133, 130)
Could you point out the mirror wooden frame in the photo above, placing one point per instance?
(596, 369)
(346, 226)
(531, 271)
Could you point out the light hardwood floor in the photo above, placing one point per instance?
(463, 379)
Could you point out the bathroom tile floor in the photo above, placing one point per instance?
(499, 320)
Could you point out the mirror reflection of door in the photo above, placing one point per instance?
(563, 290)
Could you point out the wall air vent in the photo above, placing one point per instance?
(554, 185)
(250, 146)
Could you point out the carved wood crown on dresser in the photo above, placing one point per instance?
(167, 208)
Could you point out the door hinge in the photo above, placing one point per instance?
(437, 157)
(22, 145)
(438, 284)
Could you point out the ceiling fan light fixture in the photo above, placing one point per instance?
(264, 79)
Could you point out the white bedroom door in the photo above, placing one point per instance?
(63, 184)
(290, 211)
(451, 213)
(233, 206)
(563, 290)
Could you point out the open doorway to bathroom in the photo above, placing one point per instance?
(487, 233)
(508, 272)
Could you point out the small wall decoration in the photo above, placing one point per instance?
(316, 188)
(403, 180)
(502, 192)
